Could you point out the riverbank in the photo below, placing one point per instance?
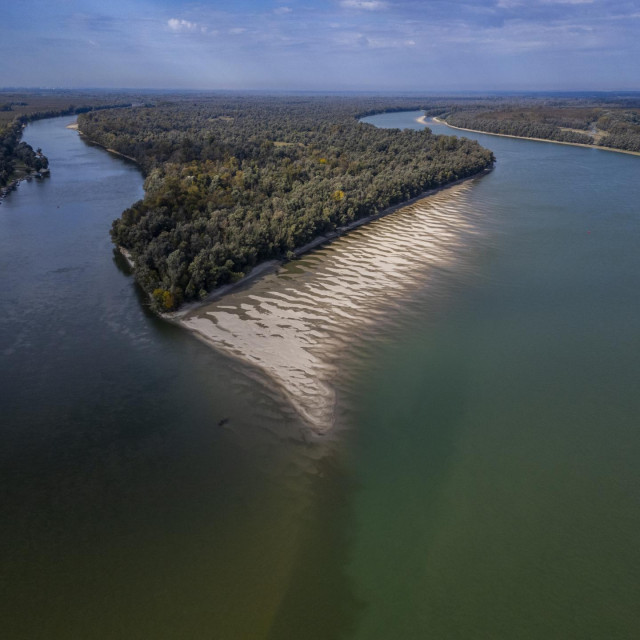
(13, 185)
(270, 266)
(74, 127)
(423, 120)
(20, 174)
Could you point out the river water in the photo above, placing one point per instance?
(472, 362)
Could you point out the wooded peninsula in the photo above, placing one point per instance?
(232, 182)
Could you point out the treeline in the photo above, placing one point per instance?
(516, 127)
(232, 182)
(69, 111)
(609, 123)
(622, 129)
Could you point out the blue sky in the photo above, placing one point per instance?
(417, 45)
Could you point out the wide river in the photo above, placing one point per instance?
(473, 362)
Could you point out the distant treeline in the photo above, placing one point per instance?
(69, 111)
(612, 125)
(485, 122)
(232, 182)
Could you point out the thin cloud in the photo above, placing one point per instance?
(364, 5)
(567, 1)
(511, 4)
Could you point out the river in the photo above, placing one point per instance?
(472, 359)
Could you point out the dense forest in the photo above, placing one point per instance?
(231, 182)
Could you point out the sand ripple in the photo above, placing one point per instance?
(297, 324)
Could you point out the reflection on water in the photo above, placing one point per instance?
(296, 325)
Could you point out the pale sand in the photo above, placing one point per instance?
(73, 125)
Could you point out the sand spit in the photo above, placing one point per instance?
(298, 325)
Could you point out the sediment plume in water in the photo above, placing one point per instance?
(297, 324)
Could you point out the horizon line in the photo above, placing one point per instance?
(431, 92)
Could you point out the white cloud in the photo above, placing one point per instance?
(237, 31)
(365, 5)
(282, 10)
(184, 25)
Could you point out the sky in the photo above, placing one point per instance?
(323, 45)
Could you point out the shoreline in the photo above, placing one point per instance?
(270, 266)
(74, 126)
(422, 120)
(14, 184)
